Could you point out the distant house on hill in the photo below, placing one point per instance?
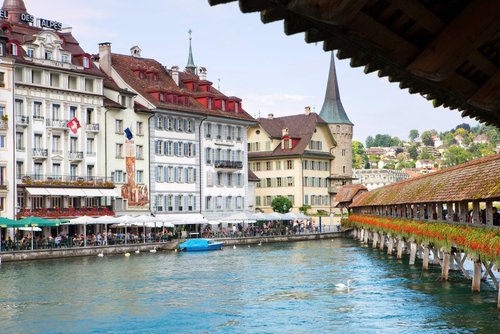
(481, 139)
(424, 164)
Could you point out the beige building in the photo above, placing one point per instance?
(292, 157)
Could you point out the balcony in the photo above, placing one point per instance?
(40, 153)
(65, 180)
(75, 156)
(226, 164)
(38, 118)
(22, 120)
(92, 128)
(66, 212)
(56, 123)
(91, 154)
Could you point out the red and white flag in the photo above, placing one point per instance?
(74, 125)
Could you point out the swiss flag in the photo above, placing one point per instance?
(74, 125)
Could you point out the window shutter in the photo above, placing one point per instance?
(210, 179)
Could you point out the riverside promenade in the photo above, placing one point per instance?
(110, 250)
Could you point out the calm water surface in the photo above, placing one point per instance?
(280, 288)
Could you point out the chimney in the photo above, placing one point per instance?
(203, 73)
(270, 116)
(105, 57)
(307, 110)
(175, 74)
(284, 132)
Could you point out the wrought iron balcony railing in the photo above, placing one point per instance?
(228, 164)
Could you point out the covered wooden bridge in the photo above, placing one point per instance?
(443, 218)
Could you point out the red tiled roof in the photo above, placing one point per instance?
(300, 127)
(474, 180)
(347, 193)
(125, 66)
(140, 107)
(25, 34)
(111, 84)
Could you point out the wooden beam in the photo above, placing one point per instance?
(336, 12)
(425, 264)
(413, 252)
(487, 96)
(250, 6)
(422, 16)
(273, 14)
(476, 279)
(477, 23)
(314, 35)
(445, 268)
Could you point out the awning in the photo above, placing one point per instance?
(74, 192)
(110, 192)
(37, 191)
(56, 191)
(184, 218)
(92, 192)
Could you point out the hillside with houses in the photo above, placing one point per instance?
(421, 153)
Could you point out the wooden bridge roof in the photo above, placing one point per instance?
(448, 51)
(475, 180)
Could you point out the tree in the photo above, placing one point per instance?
(464, 126)
(456, 155)
(369, 142)
(413, 135)
(358, 154)
(281, 204)
(426, 137)
(412, 151)
(425, 154)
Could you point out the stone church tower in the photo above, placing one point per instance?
(341, 128)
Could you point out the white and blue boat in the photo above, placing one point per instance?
(196, 245)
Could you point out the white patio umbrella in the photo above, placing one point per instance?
(145, 219)
(82, 220)
(126, 220)
(106, 220)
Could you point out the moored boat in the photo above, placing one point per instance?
(194, 245)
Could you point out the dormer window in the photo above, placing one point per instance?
(65, 58)
(162, 97)
(86, 62)
(141, 75)
(155, 77)
(15, 50)
(209, 103)
(30, 52)
(223, 105)
(48, 55)
(236, 107)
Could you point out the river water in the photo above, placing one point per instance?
(275, 288)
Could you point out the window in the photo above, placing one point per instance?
(56, 112)
(56, 145)
(278, 165)
(140, 128)
(140, 176)
(36, 77)
(343, 169)
(30, 52)
(54, 79)
(208, 130)
(90, 116)
(208, 203)
(279, 182)
(37, 110)
(86, 62)
(48, 55)
(119, 151)
(72, 112)
(219, 179)
(239, 134)
(19, 107)
(19, 169)
(72, 82)
(306, 200)
(64, 58)
(38, 170)
(73, 171)
(118, 126)
(269, 165)
(343, 152)
(218, 202)
(15, 49)
(179, 124)
(19, 141)
(229, 203)
(289, 181)
(118, 176)
(289, 164)
(189, 126)
(90, 146)
(257, 201)
(3, 139)
(89, 85)
(37, 144)
(139, 153)
(2, 79)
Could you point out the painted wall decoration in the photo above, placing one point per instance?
(136, 195)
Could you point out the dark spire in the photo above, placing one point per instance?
(190, 67)
(15, 9)
(333, 111)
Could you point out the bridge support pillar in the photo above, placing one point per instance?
(381, 241)
(374, 241)
(445, 267)
(400, 248)
(413, 252)
(476, 279)
(449, 210)
(425, 264)
(439, 211)
(390, 246)
(476, 211)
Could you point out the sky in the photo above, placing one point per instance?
(271, 72)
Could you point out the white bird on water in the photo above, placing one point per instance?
(153, 250)
(234, 246)
(101, 254)
(137, 251)
(342, 286)
(127, 254)
(260, 243)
